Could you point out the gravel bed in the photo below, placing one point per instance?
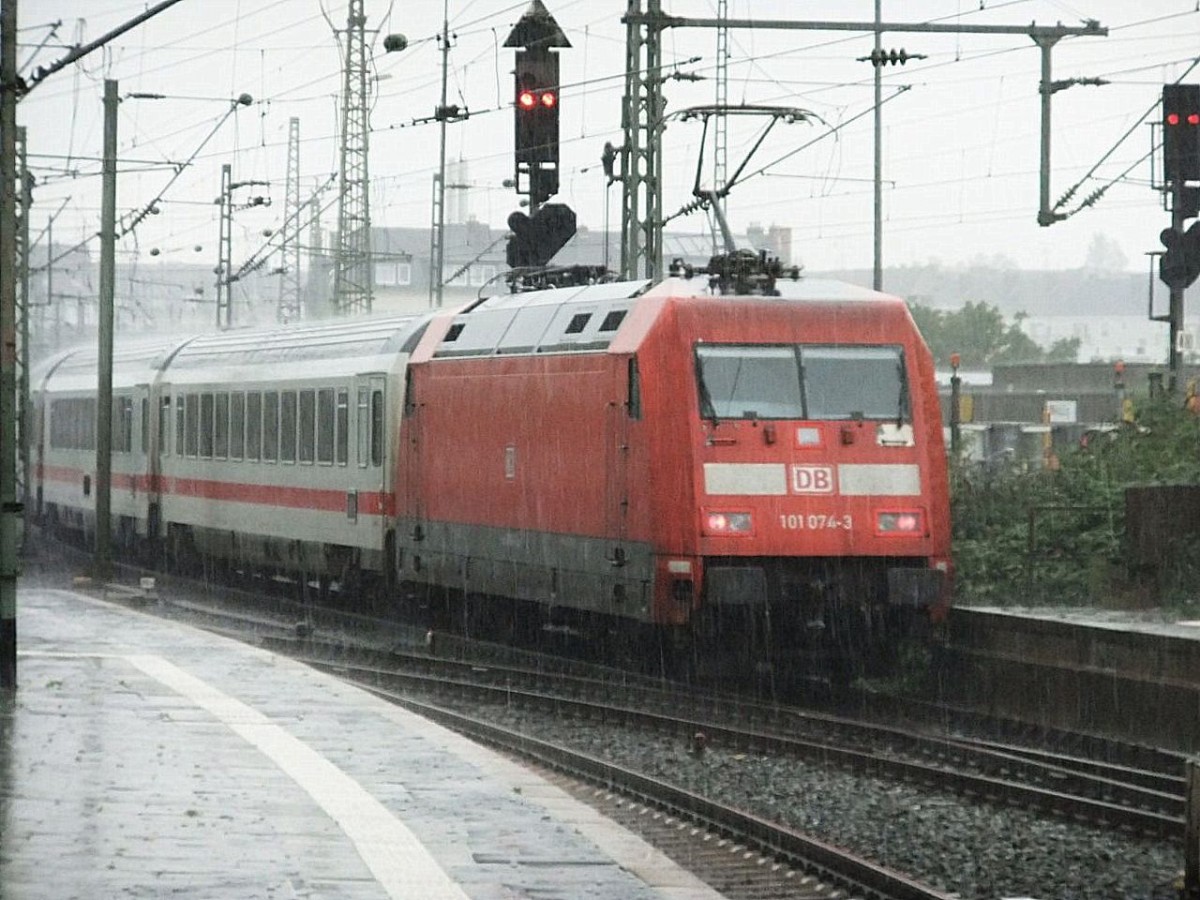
(980, 850)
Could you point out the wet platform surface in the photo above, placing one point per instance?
(143, 758)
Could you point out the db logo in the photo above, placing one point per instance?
(812, 480)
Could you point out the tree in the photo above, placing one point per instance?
(1105, 255)
(980, 334)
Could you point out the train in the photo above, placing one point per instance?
(766, 471)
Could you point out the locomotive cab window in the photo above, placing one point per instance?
(749, 382)
(855, 383)
(828, 382)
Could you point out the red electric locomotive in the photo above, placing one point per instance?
(765, 467)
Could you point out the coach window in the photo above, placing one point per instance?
(180, 430)
(377, 428)
(221, 427)
(237, 424)
(287, 426)
(206, 426)
(122, 425)
(164, 424)
(325, 426)
(270, 435)
(364, 425)
(343, 427)
(308, 425)
(193, 423)
(145, 424)
(254, 407)
(73, 424)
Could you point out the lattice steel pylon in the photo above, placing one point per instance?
(642, 124)
(720, 120)
(290, 307)
(225, 251)
(352, 277)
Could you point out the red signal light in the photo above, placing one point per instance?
(1172, 118)
(527, 99)
(549, 99)
(1194, 118)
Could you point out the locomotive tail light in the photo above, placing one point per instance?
(717, 522)
(900, 523)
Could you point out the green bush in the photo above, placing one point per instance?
(1027, 536)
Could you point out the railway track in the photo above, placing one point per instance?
(1100, 787)
(396, 659)
(391, 659)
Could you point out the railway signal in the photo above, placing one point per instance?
(1179, 265)
(1181, 132)
(536, 102)
(535, 239)
(536, 107)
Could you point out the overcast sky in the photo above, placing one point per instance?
(961, 144)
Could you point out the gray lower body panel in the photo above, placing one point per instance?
(560, 570)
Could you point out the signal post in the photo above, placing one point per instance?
(536, 237)
(1179, 264)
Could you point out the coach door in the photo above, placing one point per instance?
(626, 405)
(156, 435)
(370, 450)
(139, 453)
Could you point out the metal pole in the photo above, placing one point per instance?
(1046, 216)
(56, 310)
(225, 251)
(25, 312)
(1175, 310)
(877, 278)
(10, 508)
(955, 409)
(108, 246)
(439, 260)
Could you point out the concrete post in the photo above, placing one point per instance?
(108, 241)
(10, 507)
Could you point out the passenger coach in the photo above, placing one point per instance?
(665, 455)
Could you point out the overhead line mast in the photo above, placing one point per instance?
(290, 307)
(352, 279)
(642, 114)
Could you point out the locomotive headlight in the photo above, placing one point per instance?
(719, 522)
(900, 523)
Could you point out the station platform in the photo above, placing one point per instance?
(145, 758)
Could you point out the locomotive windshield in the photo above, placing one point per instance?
(809, 381)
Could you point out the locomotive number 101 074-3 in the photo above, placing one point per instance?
(814, 521)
